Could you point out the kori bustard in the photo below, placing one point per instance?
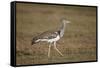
(51, 37)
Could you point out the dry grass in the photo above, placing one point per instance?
(78, 43)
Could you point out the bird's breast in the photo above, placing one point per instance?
(54, 39)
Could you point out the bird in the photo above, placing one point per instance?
(51, 37)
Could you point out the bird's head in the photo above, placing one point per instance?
(65, 21)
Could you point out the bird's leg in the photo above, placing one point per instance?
(57, 49)
(49, 50)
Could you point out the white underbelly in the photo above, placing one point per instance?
(54, 39)
(49, 40)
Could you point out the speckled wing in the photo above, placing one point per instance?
(48, 35)
(45, 35)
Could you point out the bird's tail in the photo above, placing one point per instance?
(34, 41)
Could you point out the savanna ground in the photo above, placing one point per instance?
(78, 43)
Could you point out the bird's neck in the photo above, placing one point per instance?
(62, 29)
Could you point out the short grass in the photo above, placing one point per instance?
(78, 43)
